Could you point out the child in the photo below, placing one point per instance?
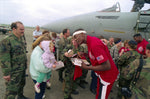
(49, 62)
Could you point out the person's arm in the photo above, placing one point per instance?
(121, 52)
(102, 67)
(5, 59)
(37, 36)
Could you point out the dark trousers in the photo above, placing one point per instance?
(60, 72)
(42, 88)
(93, 81)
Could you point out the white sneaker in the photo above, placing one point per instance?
(37, 88)
(43, 96)
(48, 84)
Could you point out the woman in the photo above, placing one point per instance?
(37, 65)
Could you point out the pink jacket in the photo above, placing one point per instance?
(48, 56)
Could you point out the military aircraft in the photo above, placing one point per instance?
(139, 4)
(110, 22)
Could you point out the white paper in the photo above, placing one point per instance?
(59, 65)
(78, 62)
(86, 62)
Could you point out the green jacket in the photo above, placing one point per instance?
(142, 88)
(125, 67)
(64, 46)
(127, 58)
(12, 54)
(36, 64)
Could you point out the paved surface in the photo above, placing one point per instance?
(56, 89)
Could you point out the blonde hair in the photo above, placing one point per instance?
(51, 45)
(45, 31)
(39, 39)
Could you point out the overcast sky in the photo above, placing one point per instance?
(40, 12)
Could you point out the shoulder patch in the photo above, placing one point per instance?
(99, 58)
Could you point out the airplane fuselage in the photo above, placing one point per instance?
(107, 24)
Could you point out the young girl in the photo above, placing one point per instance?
(49, 62)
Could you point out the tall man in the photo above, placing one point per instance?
(62, 46)
(13, 61)
(101, 61)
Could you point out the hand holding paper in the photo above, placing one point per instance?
(59, 65)
(78, 62)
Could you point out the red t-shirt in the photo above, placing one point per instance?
(99, 53)
(123, 48)
(141, 47)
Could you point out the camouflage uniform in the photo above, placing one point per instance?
(68, 79)
(123, 63)
(77, 81)
(114, 52)
(142, 88)
(63, 46)
(83, 48)
(109, 45)
(13, 61)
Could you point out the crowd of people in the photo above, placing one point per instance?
(112, 63)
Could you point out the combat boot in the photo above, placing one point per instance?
(69, 97)
(75, 92)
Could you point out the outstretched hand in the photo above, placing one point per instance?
(7, 78)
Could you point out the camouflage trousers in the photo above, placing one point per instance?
(15, 85)
(137, 94)
(84, 75)
(60, 72)
(122, 83)
(68, 79)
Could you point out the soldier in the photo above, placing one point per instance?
(62, 46)
(79, 74)
(69, 72)
(84, 50)
(110, 43)
(123, 63)
(141, 88)
(114, 51)
(13, 61)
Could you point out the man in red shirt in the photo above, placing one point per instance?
(101, 61)
(141, 47)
